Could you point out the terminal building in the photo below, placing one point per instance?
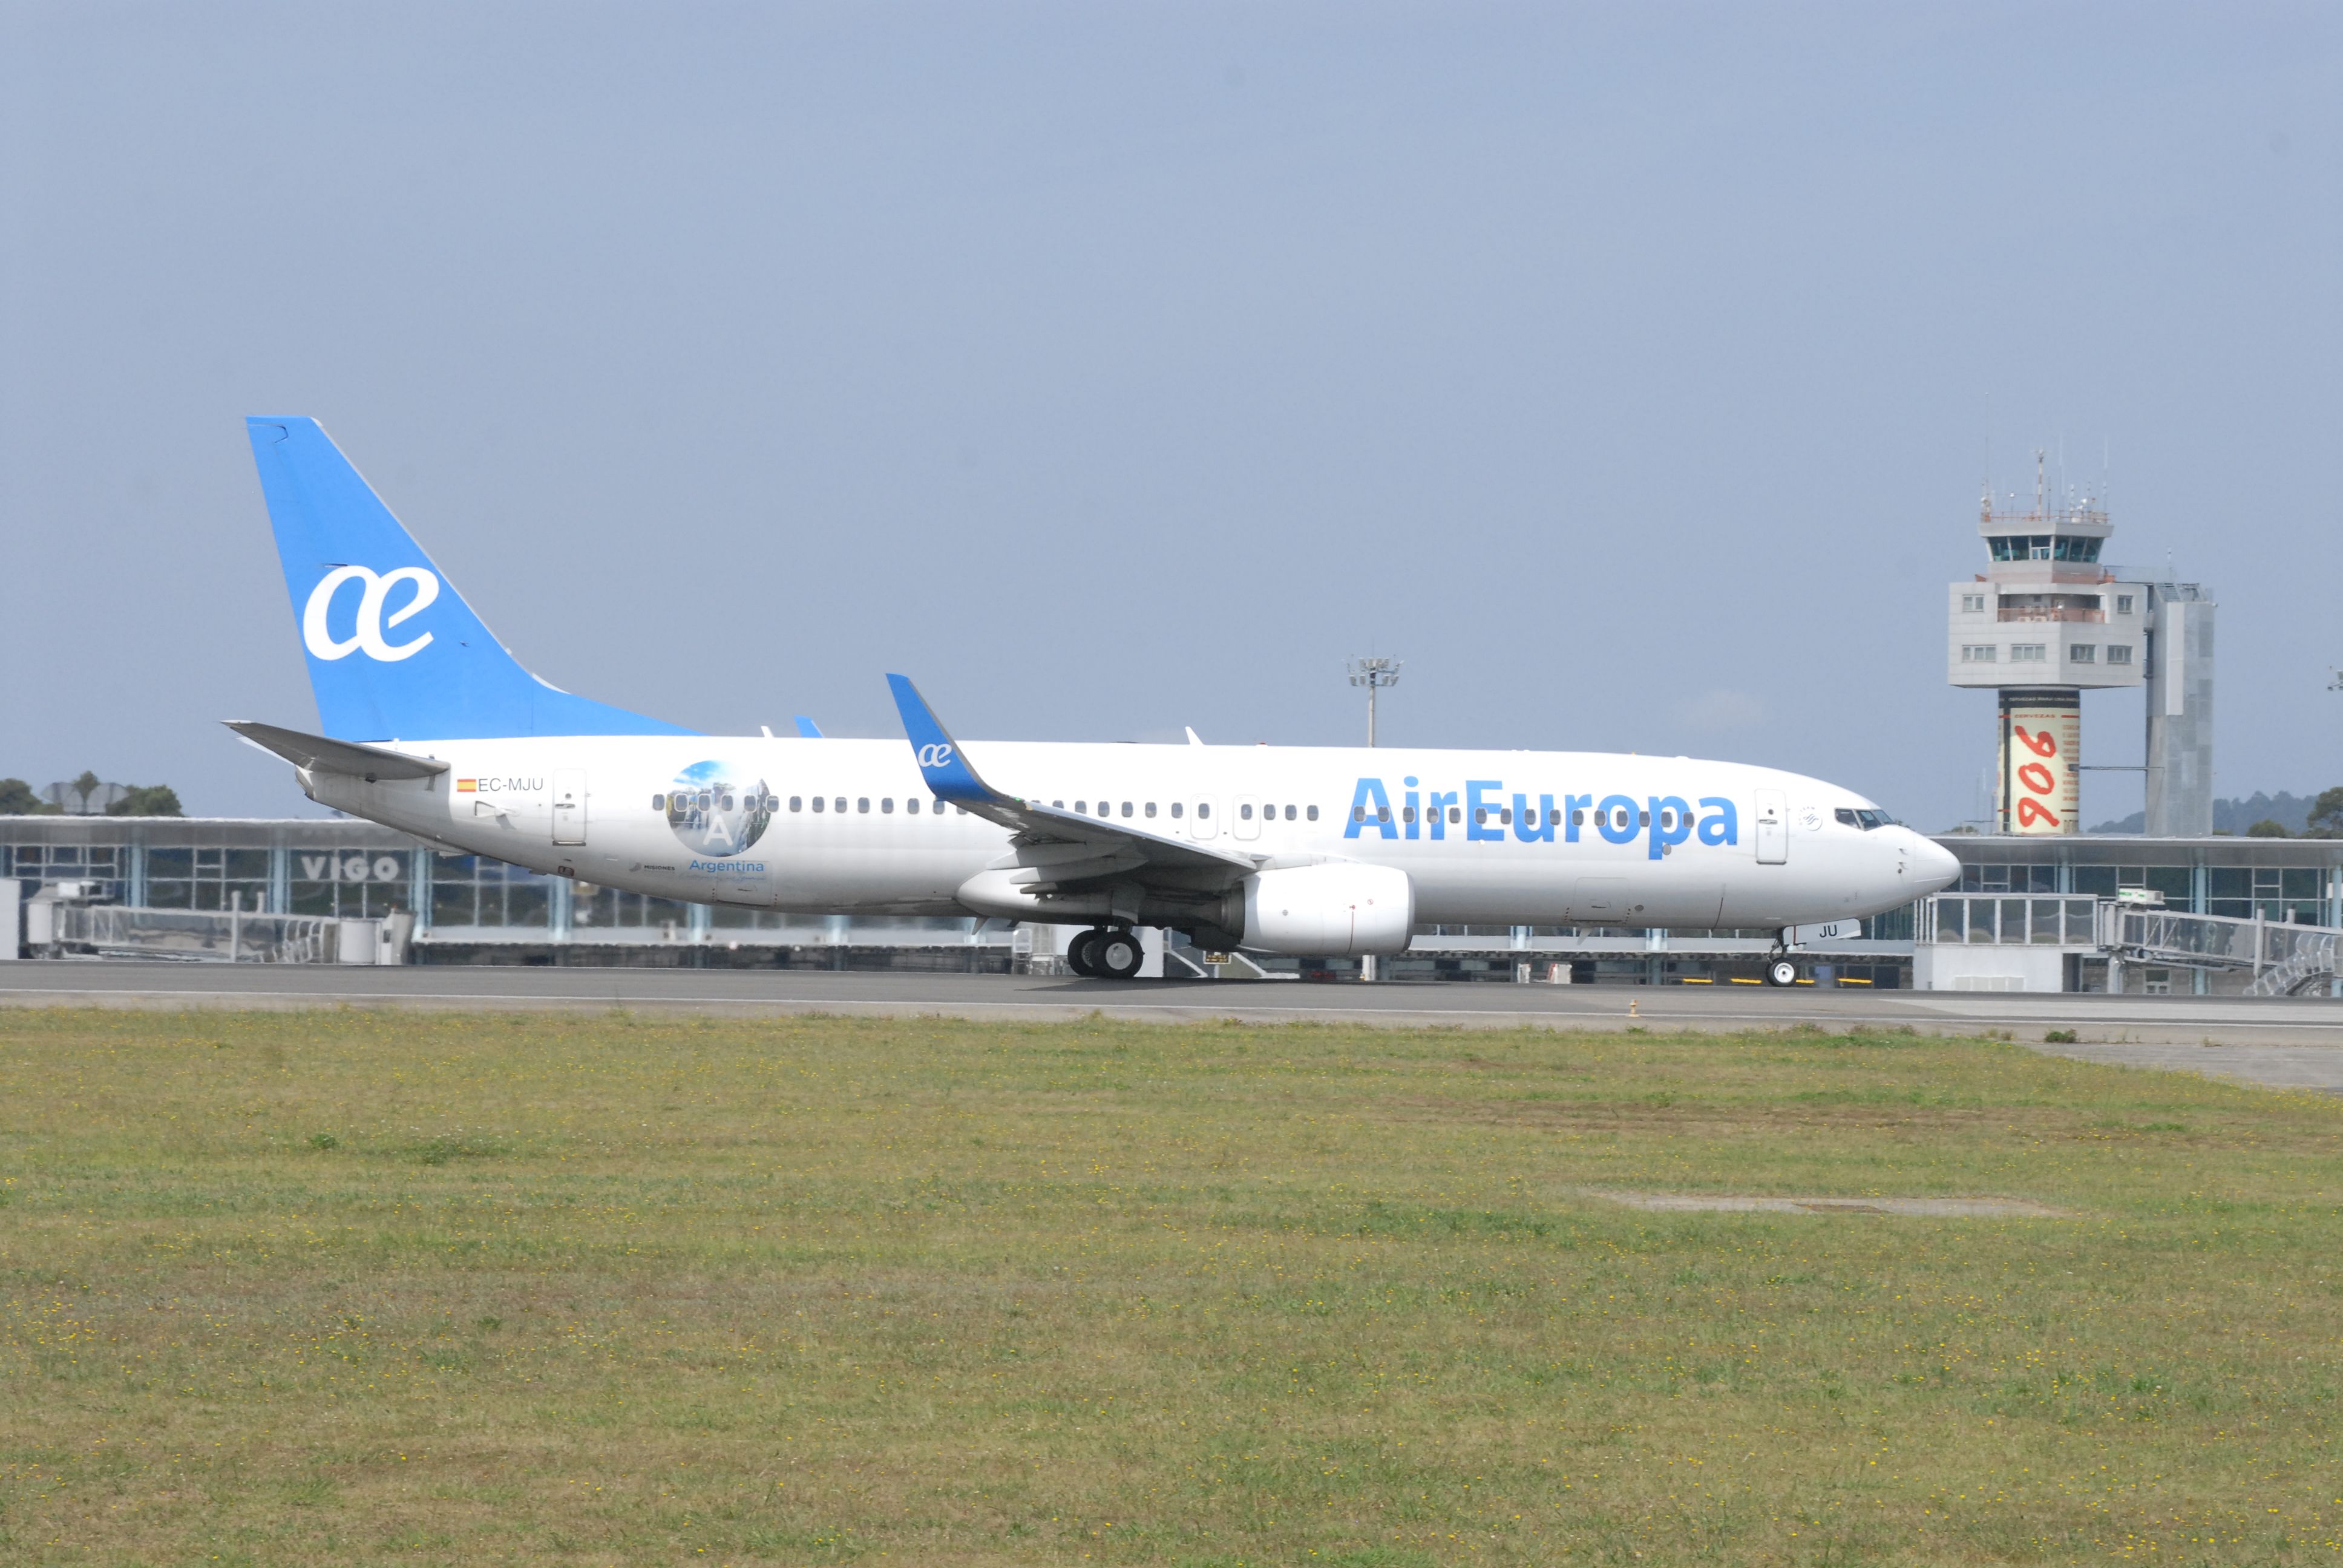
(2033, 913)
(2041, 907)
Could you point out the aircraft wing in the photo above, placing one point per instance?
(1065, 849)
(319, 754)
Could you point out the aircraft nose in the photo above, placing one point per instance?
(1934, 866)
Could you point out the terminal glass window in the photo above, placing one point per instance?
(2118, 653)
(595, 911)
(475, 890)
(67, 862)
(1992, 878)
(2263, 892)
(354, 884)
(2029, 652)
(179, 878)
(2098, 881)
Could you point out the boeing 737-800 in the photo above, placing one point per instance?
(430, 726)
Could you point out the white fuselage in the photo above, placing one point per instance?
(1520, 838)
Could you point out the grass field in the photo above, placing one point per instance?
(394, 1288)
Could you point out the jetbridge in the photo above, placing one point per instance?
(1972, 942)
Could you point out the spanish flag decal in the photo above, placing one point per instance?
(464, 784)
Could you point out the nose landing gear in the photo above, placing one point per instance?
(1779, 969)
(1108, 952)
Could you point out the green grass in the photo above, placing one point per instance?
(397, 1288)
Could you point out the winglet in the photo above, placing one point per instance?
(947, 772)
(807, 729)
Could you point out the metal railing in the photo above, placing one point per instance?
(2010, 919)
(227, 936)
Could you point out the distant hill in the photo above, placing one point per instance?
(2292, 812)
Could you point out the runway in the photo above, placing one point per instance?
(2283, 1043)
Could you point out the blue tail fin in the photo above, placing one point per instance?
(395, 653)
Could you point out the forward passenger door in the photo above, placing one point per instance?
(1773, 827)
(569, 805)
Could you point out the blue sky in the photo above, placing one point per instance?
(1630, 372)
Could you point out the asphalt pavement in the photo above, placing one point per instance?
(2289, 1044)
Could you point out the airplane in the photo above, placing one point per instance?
(428, 725)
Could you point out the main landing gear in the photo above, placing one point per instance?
(1107, 952)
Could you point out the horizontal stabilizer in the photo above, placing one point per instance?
(319, 755)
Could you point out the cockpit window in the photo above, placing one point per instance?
(1864, 819)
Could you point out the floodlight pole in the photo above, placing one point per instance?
(1375, 674)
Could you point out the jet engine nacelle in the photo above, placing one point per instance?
(1333, 911)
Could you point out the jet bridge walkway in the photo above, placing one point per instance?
(2286, 960)
(2282, 959)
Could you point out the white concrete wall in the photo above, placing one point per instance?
(1946, 966)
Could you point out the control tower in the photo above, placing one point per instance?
(2042, 623)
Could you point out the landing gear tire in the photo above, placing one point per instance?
(1781, 972)
(1079, 951)
(1116, 955)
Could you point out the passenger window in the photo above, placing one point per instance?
(887, 806)
(1083, 806)
(1060, 805)
(1578, 818)
(659, 802)
(1177, 808)
(841, 805)
(1358, 813)
(1126, 807)
(1150, 808)
(862, 802)
(1642, 819)
(1479, 816)
(1313, 813)
(1407, 813)
(797, 802)
(727, 803)
(911, 805)
(1203, 809)
(1506, 815)
(1455, 815)
(1383, 813)
(1245, 813)
(817, 802)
